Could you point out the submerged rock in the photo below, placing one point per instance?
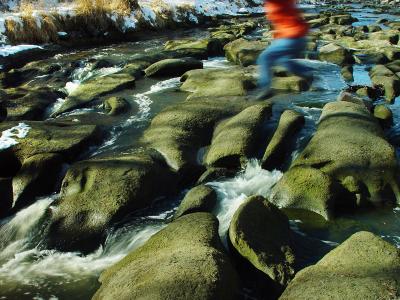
(116, 105)
(235, 139)
(363, 267)
(260, 233)
(97, 192)
(290, 123)
(95, 88)
(183, 261)
(173, 67)
(348, 150)
(199, 199)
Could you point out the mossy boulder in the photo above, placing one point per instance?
(260, 233)
(95, 88)
(392, 36)
(173, 67)
(290, 123)
(336, 54)
(349, 148)
(244, 52)
(29, 104)
(37, 177)
(290, 84)
(384, 114)
(116, 105)
(385, 78)
(51, 137)
(342, 19)
(347, 73)
(235, 140)
(207, 46)
(185, 260)
(218, 83)
(201, 198)
(213, 174)
(179, 131)
(363, 267)
(308, 189)
(97, 192)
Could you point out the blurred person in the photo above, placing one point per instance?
(290, 31)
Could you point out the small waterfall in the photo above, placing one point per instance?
(253, 180)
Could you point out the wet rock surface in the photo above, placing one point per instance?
(364, 266)
(184, 260)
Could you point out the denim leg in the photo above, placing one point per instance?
(281, 51)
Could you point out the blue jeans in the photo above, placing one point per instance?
(282, 52)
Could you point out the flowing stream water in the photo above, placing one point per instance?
(30, 271)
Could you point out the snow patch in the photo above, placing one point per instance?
(11, 50)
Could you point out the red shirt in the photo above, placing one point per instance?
(287, 20)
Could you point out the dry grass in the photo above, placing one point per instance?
(100, 7)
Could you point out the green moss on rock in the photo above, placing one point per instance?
(363, 267)
(97, 192)
(201, 198)
(235, 139)
(260, 232)
(185, 260)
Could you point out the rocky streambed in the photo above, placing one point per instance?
(145, 170)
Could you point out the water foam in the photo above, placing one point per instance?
(8, 137)
(253, 180)
(25, 261)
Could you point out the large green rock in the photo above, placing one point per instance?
(179, 131)
(308, 189)
(207, 46)
(290, 83)
(173, 67)
(363, 267)
(201, 198)
(95, 88)
(185, 260)
(29, 104)
(260, 233)
(290, 123)
(244, 52)
(235, 140)
(218, 83)
(335, 53)
(51, 137)
(97, 192)
(350, 149)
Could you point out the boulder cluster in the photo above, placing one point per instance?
(347, 166)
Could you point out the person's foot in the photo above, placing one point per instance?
(263, 94)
